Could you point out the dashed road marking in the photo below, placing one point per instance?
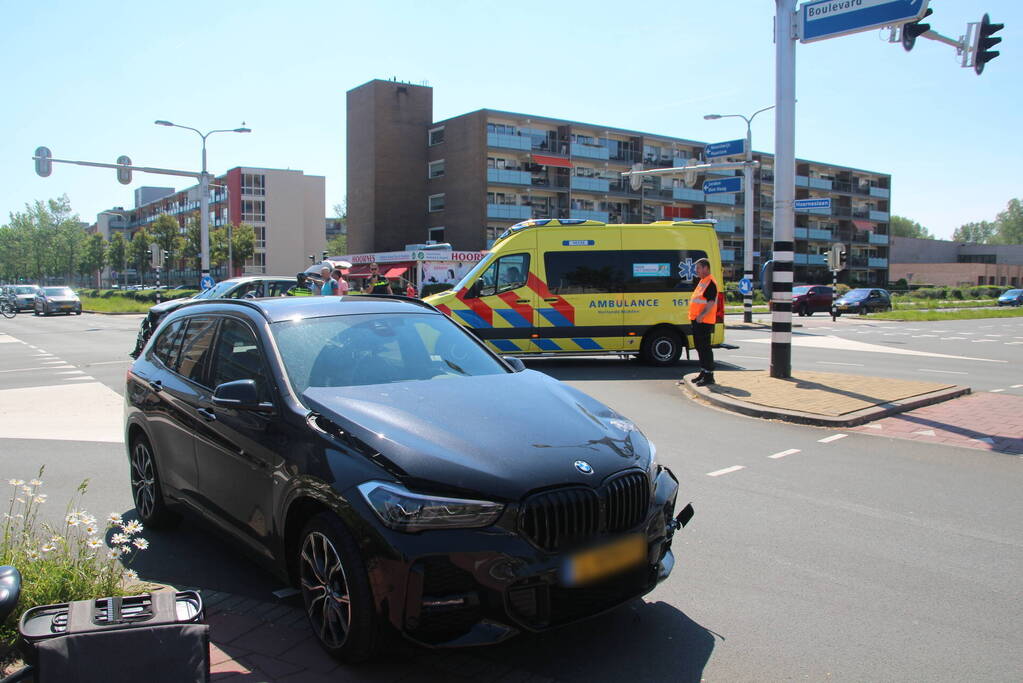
(944, 372)
(823, 362)
(727, 470)
(996, 391)
(1016, 386)
(782, 454)
(833, 437)
(77, 379)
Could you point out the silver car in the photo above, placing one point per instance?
(57, 300)
(23, 295)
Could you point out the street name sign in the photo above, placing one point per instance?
(732, 148)
(822, 19)
(723, 185)
(811, 204)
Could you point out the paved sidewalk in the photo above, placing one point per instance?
(818, 398)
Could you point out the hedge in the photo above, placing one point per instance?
(143, 295)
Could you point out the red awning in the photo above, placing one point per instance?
(545, 160)
(864, 225)
(394, 272)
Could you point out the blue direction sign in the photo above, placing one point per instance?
(811, 204)
(733, 184)
(745, 286)
(732, 148)
(822, 19)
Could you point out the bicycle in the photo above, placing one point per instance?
(8, 309)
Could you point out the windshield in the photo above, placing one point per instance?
(356, 350)
(57, 291)
(217, 291)
(471, 275)
(802, 289)
(1013, 292)
(856, 294)
(26, 290)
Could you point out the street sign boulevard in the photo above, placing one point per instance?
(732, 148)
(822, 19)
(722, 185)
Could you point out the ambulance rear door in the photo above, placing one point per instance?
(580, 306)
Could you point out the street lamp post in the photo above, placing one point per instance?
(204, 190)
(747, 184)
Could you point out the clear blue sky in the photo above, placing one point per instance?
(89, 79)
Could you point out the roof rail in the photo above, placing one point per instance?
(398, 297)
(236, 302)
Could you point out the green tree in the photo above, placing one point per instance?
(243, 243)
(337, 245)
(138, 251)
(191, 249)
(166, 233)
(218, 247)
(117, 252)
(45, 238)
(1010, 223)
(904, 227)
(982, 232)
(94, 255)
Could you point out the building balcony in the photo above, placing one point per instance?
(878, 239)
(712, 171)
(879, 216)
(881, 192)
(590, 151)
(548, 212)
(601, 216)
(841, 186)
(626, 217)
(816, 259)
(687, 194)
(725, 225)
(802, 181)
(549, 181)
(501, 175)
(523, 142)
(875, 262)
(508, 211)
(590, 184)
(841, 211)
(813, 234)
(820, 183)
(720, 198)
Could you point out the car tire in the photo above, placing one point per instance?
(335, 590)
(808, 311)
(661, 346)
(146, 489)
(863, 310)
(78, 312)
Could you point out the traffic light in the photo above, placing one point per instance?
(43, 164)
(124, 174)
(981, 53)
(912, 30)
(836, 257)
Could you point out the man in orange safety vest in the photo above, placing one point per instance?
(702, 313)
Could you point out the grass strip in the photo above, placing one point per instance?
(114, 305)
(972, 314)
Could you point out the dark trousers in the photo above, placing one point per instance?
(701, 337)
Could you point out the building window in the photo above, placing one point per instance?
(437, 202)
(260, 236)
(435, 169)
(436, 135)
(436, 234)
(254, 184)
(253, 210)
(492, 234)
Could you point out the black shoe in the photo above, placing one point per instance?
(706, 380)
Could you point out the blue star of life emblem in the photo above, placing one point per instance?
(687, 270)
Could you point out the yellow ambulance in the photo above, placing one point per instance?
(575, 286)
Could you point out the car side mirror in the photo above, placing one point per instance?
(241, 394)
(516, 363)
(474, 290)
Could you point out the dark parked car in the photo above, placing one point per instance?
(403, 477)
(864, 300)
(57, 300)
(810, 299)
(1013, 297)
(248, 287)
(24, 296)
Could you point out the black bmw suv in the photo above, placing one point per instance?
(403, 477)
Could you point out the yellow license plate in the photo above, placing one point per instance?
(597, 563)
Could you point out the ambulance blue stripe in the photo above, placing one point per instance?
(587, 344)
(472, 318)
(514, 318)
(547, 345)
(504, 345)
(555, 318)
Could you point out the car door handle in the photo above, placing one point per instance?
(155, 384)
(553, 298)
(522, 301)
(206, 414)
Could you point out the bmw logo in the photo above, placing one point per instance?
(584, 467)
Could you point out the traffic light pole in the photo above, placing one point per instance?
(834, 293)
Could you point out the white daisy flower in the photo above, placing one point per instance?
(56, 539)
(120, 539)
(114, 518)
(48, 548)
(27, 489)
(114, 553)
(32, 554)
(131, 575)
(125, 549)
(90, 529)
(133, 527)
(73, 519)
(140, 543)
(15, 482)
(94, 543)
(41, 498)
(36, 482)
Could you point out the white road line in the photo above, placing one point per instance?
(982, 341)
(833, 437)
(1016, 386)
(951, 338)
(727, 470)
(944, 372)
(925, 335)
(782, 454)
(995, 391)
(70, 372)
(52, 362)
(1012, 343)
(993, 335)
(751, 357)
(75, 379)
(824, 362)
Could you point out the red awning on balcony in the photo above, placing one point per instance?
(394, 272)
(545, 160)
(863, 225)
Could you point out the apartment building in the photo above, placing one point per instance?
(464, 180)
(285, 208)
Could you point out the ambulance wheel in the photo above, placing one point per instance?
(661, 346)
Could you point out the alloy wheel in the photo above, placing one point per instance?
(325, 589)
(143, 480)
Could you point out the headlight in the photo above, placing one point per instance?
(653, 456)
(403, 510)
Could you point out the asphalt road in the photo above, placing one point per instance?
(859, 558)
